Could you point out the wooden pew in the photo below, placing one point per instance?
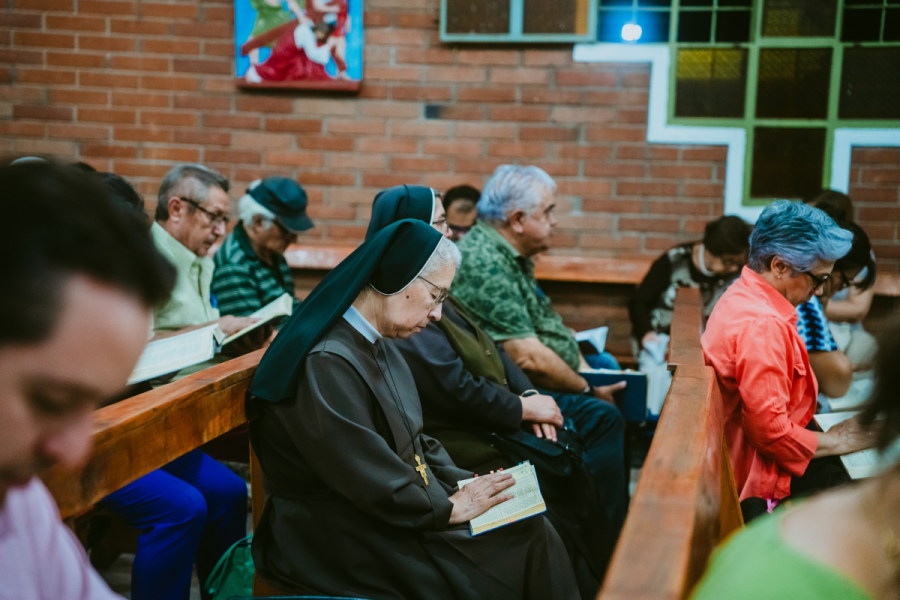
(686, 501)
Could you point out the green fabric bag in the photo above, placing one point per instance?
(233, 574)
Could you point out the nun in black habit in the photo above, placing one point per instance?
(360, 502)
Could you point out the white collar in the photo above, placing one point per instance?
(359, 323)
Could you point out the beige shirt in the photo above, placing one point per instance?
(191, 300)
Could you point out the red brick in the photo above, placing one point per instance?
(645, 188)
(585, 78)
(328, 179)
(107, 80)
(631, 116)
(209, 29)
(264, 104)
(583, 188)
(876, 155)
(107, 7)
(67, 96)
(407, 110)
(518, 113)
(139, 63)
(317, 211)
(880, 213)
(142, 134)
(520, 76)
(468, 94)
(704, 190)
(44, 40)
(389, 179)
(75, 23)
(485, 130)
(610, 205)
(293, 125)
(170, 11)
(392, 73)
(380, 146)
(139, 27)
(558, 58)
(24, 75)
(561, 169)
(106, 43)
(636, 80)
(415, 21)
(430, 56)
(545, 96)
(456, 74)
(24, 129)
(108, 151)
(346, 231)
(80, 59)
(206, 138)
(171, 154)
(325, 143)
(615, 169)
(618, 98)
(202, 102)
(107, 115)
(141, 169)
(218, 13)
(559, 134)
(484, 166)
(225, 49)
(420, 93)
(708, 153)
(202, 65)
(21, 57)
(688, 207)
(232, 156)
(29, 147)
(420, 128)
(455, 113)
(21, 21)
(376, 19)
(880, 175)
(357, 161)
(141, 99)
(616, 134)
(494, 56)
(78, 132)
(45, 113)
(357, 127)
(528, 150)
(395, 37)
(583, 222)
(431, 165)
(452, 148)
(168, 82)
(873, 194)
(171, 47)
(584, 152)
(680, 171)
(168, 118)
(648, 224)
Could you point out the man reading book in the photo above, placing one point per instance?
(79, 283)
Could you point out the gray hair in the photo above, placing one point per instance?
(798, 233)
(248, 208)
(189, 180)
(445, 254)
(511, 188)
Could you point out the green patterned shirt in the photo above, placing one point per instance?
(497, 285)
(242, 284)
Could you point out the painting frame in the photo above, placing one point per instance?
(299, 44)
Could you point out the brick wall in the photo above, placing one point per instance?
(134, 87)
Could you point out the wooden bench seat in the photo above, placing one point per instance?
(686, 501)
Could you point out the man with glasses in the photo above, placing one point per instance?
(459, 202)
(191, 215)
(251, 270)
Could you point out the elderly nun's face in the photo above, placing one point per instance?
(439, 218)
(411, 310)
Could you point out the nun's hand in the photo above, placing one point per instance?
(480, 495)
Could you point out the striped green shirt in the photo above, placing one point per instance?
(242, 283)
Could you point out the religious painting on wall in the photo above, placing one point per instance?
(306, 44)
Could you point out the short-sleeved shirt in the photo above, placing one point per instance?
(497, 285)
(191, 302)
(242, 283)
(40, 558)
(768, 388)
(813, 327)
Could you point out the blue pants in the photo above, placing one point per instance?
(604, 360)
(192, 508)
(603, 429)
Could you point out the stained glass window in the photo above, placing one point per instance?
(787, 162)
(711, 82)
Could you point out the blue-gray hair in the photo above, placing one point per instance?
(513, 187)
(798, 233)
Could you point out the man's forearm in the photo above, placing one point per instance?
(543, 366)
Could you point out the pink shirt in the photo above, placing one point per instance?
(768, 388)
(40, 558)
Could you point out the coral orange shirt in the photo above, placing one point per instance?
(768, 388)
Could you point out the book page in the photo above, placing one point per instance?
(597, 337)
(859, 465)
(175, 353)
(282, 306)
(527, 500)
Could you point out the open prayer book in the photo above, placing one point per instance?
(282, 306)
(859, 465)
(526, 502)
(172, 354)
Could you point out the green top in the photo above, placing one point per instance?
(242, 283)
(268, 17)
(759, 563)
(497, 286)
(191, 301)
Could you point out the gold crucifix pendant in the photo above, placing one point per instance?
(421, 469)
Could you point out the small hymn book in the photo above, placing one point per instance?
(526, 501)
(172, 354)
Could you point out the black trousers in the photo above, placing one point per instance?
(821, 474)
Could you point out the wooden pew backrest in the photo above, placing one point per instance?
(687, 323)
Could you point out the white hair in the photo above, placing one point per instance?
(445, 254)
(248, 208)
(511, 188)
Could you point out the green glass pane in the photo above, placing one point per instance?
(695, 26)
(733, 26)
(870, 83)
(787, 162)
(555, 16)
(861, 25)
(799, 18)
(711, 82)
(793, 84)
(478, 16)
(892, 25)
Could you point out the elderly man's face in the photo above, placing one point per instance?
(533, 231)
(273, 240)
(198, 228)
(49, 389)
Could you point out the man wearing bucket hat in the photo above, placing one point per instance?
(250, 267)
